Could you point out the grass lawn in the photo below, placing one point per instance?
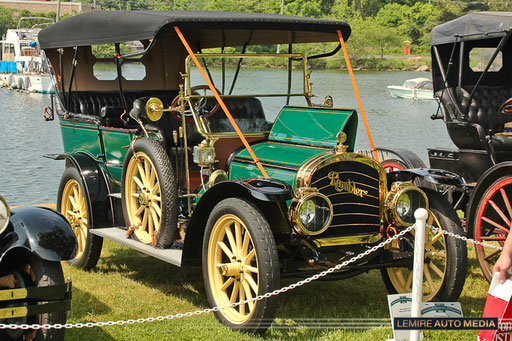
(129, 285)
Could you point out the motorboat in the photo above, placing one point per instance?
(22, 65)
(415, 88)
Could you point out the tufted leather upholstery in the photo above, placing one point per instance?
(482, 117)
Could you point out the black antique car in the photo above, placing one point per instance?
(253, 181)
(472, 76)
(33, 242)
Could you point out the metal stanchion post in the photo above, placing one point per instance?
(421, 216)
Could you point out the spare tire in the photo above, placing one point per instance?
(149, 194)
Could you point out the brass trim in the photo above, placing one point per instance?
(397, 189)
(8, 212)
(348, 240)
(13, 294)
(13, 312)
(304, 195)
(316, 162)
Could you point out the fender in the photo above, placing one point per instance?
(97, 188)
(427, 177)
(492, 174)
(268, 195)
(40, 231)
(410, 159)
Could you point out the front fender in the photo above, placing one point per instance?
(41, 231)
(426, 177)
(268, 195)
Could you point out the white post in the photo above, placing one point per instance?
(421, 216)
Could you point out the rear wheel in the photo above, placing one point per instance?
(492, 222)
(444, 269)
(71, 202)
(240, 262)
(393, 165)
(150, 198)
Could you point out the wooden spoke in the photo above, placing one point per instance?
(500, 212)
(426, 272)
(138, 182)
(492, 254)
(251, 269)
(150, 229)
(238, 233)
(226, 284)
(493, 223)
(250, 256)
(144, 221)
(156, 221)
(147, 170)
(225, 249)
(242, 298)
(157, 198)
(252, 283)
(73, 202)
(408, 283)
(493, 238)
(231, 239)
(436, 269)
(248, 294)
(234, 293)
(440, 254)
(135, 195)
(434, 239)
(140, 210)
(85, 222)
(157, 208)
(155, 189)
(142, 173)
(152, 176)
(245, 244)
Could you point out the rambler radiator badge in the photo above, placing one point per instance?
(347, 186)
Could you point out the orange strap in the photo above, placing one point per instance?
(349, 67)
(221, 102)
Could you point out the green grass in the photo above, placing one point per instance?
(129, 285)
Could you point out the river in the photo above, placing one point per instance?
(26, 177)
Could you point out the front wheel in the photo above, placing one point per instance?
(444, 268)
(240, 262)
(36, 272)
(72, 204)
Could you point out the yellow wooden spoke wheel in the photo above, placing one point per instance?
(73, 204)
(239, 263)
(143, 197)
(445, 261)
(149, 194)
(73, 207)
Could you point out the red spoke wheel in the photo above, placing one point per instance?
(393, 165)
(492, 222)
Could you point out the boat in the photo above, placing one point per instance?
(22, 65)
(415, 88)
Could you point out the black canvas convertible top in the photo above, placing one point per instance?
(475, 25)
(209, 29)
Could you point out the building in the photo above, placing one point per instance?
(48, 6)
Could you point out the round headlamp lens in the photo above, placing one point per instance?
(408, 202)
(315, 214)
(4, 214)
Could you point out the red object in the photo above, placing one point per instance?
(406, 50)
(498, 305)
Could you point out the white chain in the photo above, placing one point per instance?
(466, 239)
(209, 310)
(257, 298)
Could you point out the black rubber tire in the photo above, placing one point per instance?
(168, 190)
(94, 243)
(46, 273)
(267, 258)
(456, 251)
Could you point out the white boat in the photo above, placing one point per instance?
(415, 88)
(22, 65)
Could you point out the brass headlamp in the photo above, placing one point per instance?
(402, 201)
(311, 212)
(204, 154)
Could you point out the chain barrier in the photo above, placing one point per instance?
(254, 299)
(466, 239)
(209, 310)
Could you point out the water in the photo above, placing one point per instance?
(26, 177)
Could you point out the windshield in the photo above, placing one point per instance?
(254, 92)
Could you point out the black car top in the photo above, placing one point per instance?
(208, 28)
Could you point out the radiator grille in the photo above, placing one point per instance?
(353, 188)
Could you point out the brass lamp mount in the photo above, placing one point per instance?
(155, 109)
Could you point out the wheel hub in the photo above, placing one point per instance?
(234, 269)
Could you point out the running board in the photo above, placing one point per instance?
(118, 235)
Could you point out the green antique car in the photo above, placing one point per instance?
(252, 180)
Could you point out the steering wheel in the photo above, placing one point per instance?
(201, 105)
(506, 107)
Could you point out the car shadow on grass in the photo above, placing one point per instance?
(186, 282)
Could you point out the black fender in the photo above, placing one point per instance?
(97, 188)
(492, 174)
(410, 159)
(426, 177)
(269, 196)
(40, 231)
